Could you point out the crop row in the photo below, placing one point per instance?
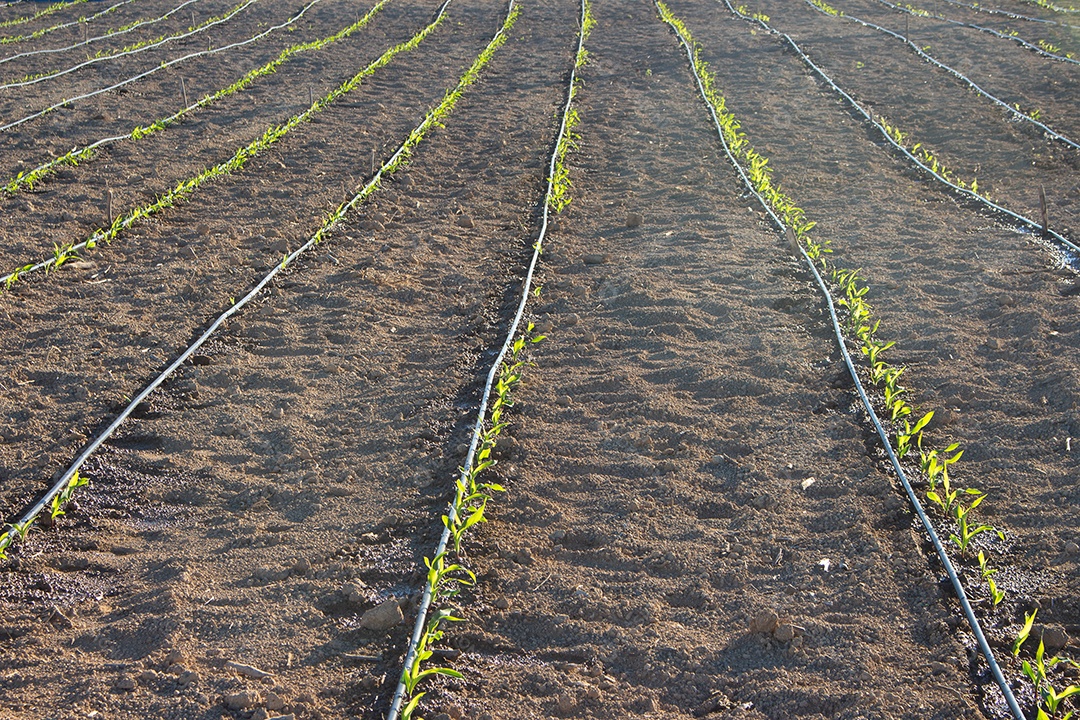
(1043, 47)
(979, 8)
(898, 434)
(916, 153)
(185, 188)
(147, 73)
(132, 49)
(44, 12)
(134, 25)
(445, 572)
(29, 179)
(1013, 109)
(64, 488)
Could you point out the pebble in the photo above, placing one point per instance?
(248, 670)
(1071, 548)
(565, 704)
(277, 413)
(764, 622)
(301, 566)
(937, 668)
(382, 617)
(1054, 638)
(242, 700)
(464, 221)
(274, 701)
(202, 228)
(126, 683)
(633, 220)
(501, 603)
(784, 632)
(596, 258)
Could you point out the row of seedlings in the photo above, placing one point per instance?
(184, 189)
(1013, 110)
(1042, 47)
(87, 40)
(446, 573)
(136, 47)
(29, 179)
(55, 499)
(902, 437)
(977, 7)
(917, 153)
(164, 65)
(44, 12)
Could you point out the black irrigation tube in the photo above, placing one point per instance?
(162, 66)
(233, 12)
(481, 412)
(1027, 223)
(928, 526)
(388, 167)
(942, 66)
(10, 39)
(980, 28)
(1006, 13)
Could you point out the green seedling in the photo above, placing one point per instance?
(996, 595)
(1050, 701)
(1025, 631)
(413, 673)
(966, 530)
(64, 497)
(911, 432)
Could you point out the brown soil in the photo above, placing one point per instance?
(685, 453)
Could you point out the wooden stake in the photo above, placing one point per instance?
(1042, 211)
(192, 19)
(310, 97)
(109, 204)
(372, 161)
(183, 91)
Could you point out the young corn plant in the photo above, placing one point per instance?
(987, 572)
(1051, 702)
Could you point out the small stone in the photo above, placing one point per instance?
(633, 220)
(1071, 548)
(501, 603)
(596, 258)
(564, 704)
(464, 221)
(277, 413)
(937, 668)
(242, 700)
(1054, 638)
(785, 632)
(301, 567)
(557, 535)
(371, 225)
(382, 617)
(593, 693)
(147, 676)
(202, 228)
(126, 684)
(249, 671)
(189, 677)
(456, 712)
(274, 702)
(764, 622)
(260, 714)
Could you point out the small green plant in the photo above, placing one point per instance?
(1025, 631)
(414, 672)
(966, 530)
(1050, 700)
(64, 496)
(996, 595)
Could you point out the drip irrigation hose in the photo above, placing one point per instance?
(94, 61)
(79, 153)
(162, 66)
(107, 36)
(481, 413)
(20, 38)
(955, 73)
(882, 434)
(1027, 223)
(1006, 13)
(370, 187)
(980, 28)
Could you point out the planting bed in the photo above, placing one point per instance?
(698, 518)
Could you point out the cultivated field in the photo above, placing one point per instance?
(466, 359)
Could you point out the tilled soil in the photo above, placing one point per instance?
(698, 519)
